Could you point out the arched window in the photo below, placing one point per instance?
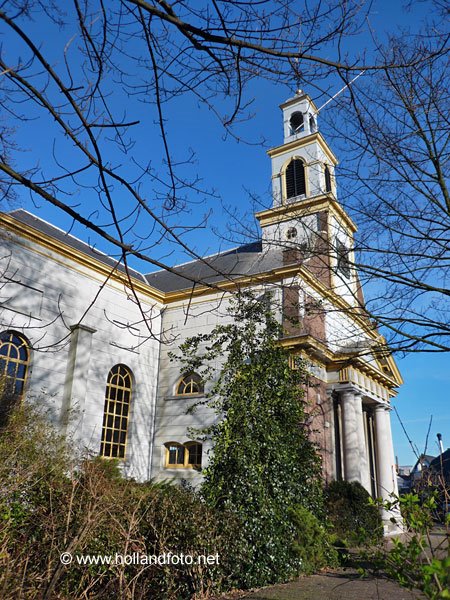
(175, 454)
(312, 124)
(14, 361)
(190, 384)
(194, 455)
(295, 179)
(116, 412)
(296, 122)
(183, 456)
(327, 179)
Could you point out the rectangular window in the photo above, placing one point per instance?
(176, 455)
(343, 262)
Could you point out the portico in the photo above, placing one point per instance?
(364, 447)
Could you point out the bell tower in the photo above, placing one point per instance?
(305, 220)
(303, 166)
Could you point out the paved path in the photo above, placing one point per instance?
(340, 584)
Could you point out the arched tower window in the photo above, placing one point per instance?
(312, 124)
(295, 179)
(327, 179)
(296, 122)
(190, 384)
(14, 362)
(116, 412)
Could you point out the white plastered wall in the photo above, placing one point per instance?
(275, 236)
(182, 320)
(62, 293)
(344, 287)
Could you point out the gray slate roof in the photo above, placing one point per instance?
(245, 260)
(242, 261)
(70, 240)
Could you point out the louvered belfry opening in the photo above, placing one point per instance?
(295, 179)
(327, 179)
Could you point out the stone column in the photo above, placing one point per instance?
(350, 437)
(364, 459)
(387, 477)
(75, 386)
(392, 451)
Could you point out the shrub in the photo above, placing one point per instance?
(416, 560)
(312, 541)
(353, 517)
(49, 506)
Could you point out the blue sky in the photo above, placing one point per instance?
(425, 393)
(240, 170)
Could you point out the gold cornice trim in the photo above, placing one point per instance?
(242, 281)
(276, 275)
(30, 233)
(308, 206)
(393, 367)
(335, 362)
(366, 367)
(300, 143)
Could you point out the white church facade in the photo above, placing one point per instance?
(74, 328)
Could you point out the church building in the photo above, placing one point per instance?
(74, 335)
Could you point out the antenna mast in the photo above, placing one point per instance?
(341, 90)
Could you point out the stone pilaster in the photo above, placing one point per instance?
(75, 386)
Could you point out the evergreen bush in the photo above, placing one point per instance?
(349, 510)
(312, 541)
(263, 462)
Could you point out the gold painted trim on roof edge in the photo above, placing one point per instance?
(305, 141)
(307, 206)
(30, 233)
(277, 275)
(335, 362)
(320, 288)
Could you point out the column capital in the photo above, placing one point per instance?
(350, 392)
(81, 327)
(381, 408)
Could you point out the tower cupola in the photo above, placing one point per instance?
(303, 166)
(299, 117)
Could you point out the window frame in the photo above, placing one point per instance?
(187, 446)
(304, 194)
(18, 362)
(183, 380)
(343, 264)
(122, 396)
(328, 179)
